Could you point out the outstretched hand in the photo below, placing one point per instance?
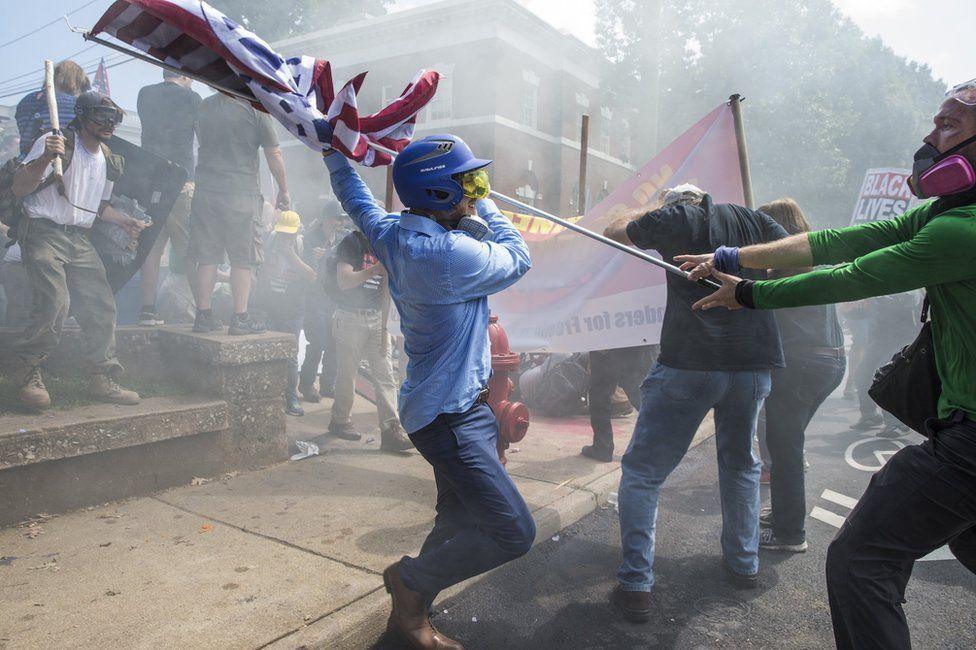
(724, 297)
(689, 262)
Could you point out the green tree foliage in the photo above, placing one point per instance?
(824, 102)
(275, 19)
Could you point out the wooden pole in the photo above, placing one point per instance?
(735, 101)
(584, 149)
(52, 109)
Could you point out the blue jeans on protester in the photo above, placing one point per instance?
(482, 521)
(673, 404)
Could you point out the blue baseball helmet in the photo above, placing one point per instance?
(424, 172)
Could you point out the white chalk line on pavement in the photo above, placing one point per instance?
(835, 520)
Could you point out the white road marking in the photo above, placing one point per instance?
(826, 516)
(941, 553)
(839, 499)
(880, 455)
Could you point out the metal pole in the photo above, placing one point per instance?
(584, 150)
(165, 66)
(670, 268)
(569, 225)
(735, 101)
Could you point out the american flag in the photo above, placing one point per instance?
(194, 37)
(100, 83)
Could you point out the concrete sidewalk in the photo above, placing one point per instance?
(285, 557)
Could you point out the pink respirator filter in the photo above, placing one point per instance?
(949, 176)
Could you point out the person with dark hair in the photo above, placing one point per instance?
(168, 111)
(813, 345)
(705, 363)
(623, 367)
(32, 111)
(322, 237)
(360, 333)
(57, 252)
(925, 496)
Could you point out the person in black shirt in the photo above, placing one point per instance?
(322, 237)
(705, 363)
(168, 111)
(360, 331)
(813, 344)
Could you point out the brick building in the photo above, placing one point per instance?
(515, 90)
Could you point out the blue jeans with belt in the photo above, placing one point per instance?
(482, 521)
(673, 404)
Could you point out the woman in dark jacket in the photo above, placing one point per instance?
(813, 345)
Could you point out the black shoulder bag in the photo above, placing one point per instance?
(909, 386)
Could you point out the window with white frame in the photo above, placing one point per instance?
(582, 106)
(441, 107)
(606, 119)
(530, 99)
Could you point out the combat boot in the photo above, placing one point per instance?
(103, 389)
(409, 620)
(33, 393)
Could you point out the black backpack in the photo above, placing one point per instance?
(12, 206)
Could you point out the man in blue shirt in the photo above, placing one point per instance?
(439, 279)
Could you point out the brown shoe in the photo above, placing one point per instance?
(408, 620)
(33, 393)
(103, 389)
(635, 605)
(394, 438)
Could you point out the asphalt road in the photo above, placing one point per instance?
(557, 595)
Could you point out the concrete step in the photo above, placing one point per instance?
(63, 460)
(27, 439)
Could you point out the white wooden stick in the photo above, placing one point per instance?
(52, 109)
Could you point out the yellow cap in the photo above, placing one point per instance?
(288, 222)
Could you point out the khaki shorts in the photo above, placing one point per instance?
(177, 227)
(225, 224)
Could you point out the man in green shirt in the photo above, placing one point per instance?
(925, 496)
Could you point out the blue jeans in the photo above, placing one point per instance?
(673, 404)
(482, 521)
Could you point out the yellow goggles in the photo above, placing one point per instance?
(475, 184)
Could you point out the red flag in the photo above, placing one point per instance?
(100, 82)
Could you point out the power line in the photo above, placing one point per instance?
(88, 68)
(40, 70)
(25, 88)
(46, 25)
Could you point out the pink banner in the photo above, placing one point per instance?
(582, 295)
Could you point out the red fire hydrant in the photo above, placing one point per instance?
(513, 417)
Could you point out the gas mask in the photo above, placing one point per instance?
(935, 173)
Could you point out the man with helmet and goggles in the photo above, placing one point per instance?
(58, 255)
(444, 255)
(925, 496)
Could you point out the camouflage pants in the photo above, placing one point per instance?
(64, 268)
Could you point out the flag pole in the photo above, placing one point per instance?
(735, 101)
(670, 268)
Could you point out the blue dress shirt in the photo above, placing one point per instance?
(440, 281)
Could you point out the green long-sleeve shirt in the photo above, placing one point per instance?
(884, 257)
